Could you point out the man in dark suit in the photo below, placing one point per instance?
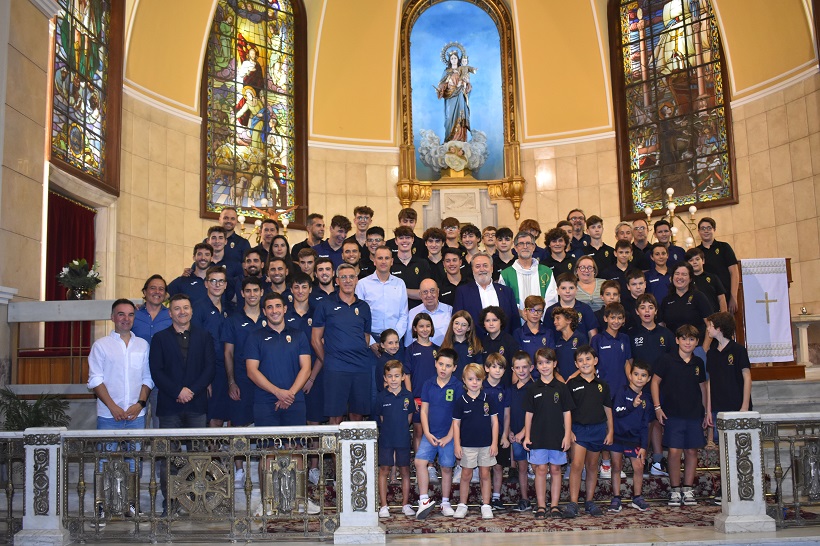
(182, 367)
(473, 297)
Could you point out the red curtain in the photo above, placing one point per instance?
(70, 236)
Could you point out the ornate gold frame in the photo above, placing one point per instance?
(511, 187)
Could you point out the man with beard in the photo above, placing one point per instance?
(483, 293)
(351, 254)
(526, 277)
(579, 241)
(277, 278)
(236, 245)
(194, 285)
(267, 231)
(315, 233)
(324, 281)
(252, 267)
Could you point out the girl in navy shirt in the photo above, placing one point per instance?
(462, 338)
(420, 365)
(390, 348)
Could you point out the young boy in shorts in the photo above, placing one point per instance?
(437, 400)
(495, 366)
(631, 415)
(680, 382)
(393, 412)
(591, 429)
(614, 361)
(650, 342)
(547, 431)
(475, 435)
(522, 379)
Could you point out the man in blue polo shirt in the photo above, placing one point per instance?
(193, 285)
(341, 340)
(277, 358)
(332, 246)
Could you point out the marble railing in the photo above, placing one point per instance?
(108, 485)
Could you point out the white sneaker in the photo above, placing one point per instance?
(384, 512)
(605, 472)
(457, 475)
(530, 473)
(312, 508)
(623, 475)
(431, 471)
(424, 508)
(407, 510)
(447, 509)
(313, 476)
(486, 511)
(689, 497)
(657, 470)
(475, 478)
(239, 477)
(674, 498)
(461, 511)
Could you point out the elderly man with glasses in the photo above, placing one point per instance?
(527, 277)
(430, 304)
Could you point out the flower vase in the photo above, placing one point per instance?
(79, 294)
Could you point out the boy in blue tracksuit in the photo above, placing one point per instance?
(631, 415)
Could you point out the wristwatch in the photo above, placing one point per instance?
(141, 402)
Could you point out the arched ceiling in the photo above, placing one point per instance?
(562, 47)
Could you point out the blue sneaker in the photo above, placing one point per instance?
(571, 510)
(639, 503)
(593, 509)
(614, 505)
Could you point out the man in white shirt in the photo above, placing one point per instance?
(439, 312)
(387, 296)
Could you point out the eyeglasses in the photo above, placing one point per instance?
(573, 218)
(586, 268)
(217, 282)
(706, 227)
(363, 218)
(450, 228)
(524, 244)
(639, 228)
(374, 240)
(347, 277)
(431, 292)
(535, 310)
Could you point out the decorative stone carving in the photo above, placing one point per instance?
(810, 475)
(41, 439)
(41, 482)
(358, 434)
(745, 468)
(358, 477)
(738, 424)
(203, 486)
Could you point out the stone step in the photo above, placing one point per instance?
(785, 396)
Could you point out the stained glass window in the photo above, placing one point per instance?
(673, 113)
(251, 143)
(82, 106)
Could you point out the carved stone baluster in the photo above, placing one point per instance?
(741, 474)
(359, 518)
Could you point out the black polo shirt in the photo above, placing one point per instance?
(640, 258)
(447, 290)
(419, 248)
(559, 266)
(579, 247)
(651, 345)
(719, 257)
(614, 273)
(362, 248)
(547, 402)
(590, 397)
(500, 265)
(604, 257)
(691, 308)
(505, 345)
(366, 267)
(294, 251)
(726, 375)
(709, 285)
(680, 385)
(416, 270)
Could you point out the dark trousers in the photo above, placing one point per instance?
(184, 419)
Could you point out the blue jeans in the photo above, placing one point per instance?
(109, 423)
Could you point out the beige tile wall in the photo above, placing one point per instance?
(158, 219)
(24, 141)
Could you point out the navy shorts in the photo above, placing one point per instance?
(590, 437)
(388, 456)
(219, 403)
(315, 400)
(266, 415)
(628, 450)
(242, 409)
(518, 451)
(680, 433)
(347, 392)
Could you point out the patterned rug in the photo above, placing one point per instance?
(514, 522)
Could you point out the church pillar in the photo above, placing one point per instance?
(359, 518)
(741, 474)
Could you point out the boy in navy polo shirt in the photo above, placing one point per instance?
(495, 366)
(658, 277)
(680, 381)
(567, 288)
(475, 435)
(547, 430)
(522, 377)
(438, 396)
(650, 342)
(534, 334)
(393, 412)
(614, 361)
(631, 424)
(591, 427)
(610, 293)
(567, 340)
